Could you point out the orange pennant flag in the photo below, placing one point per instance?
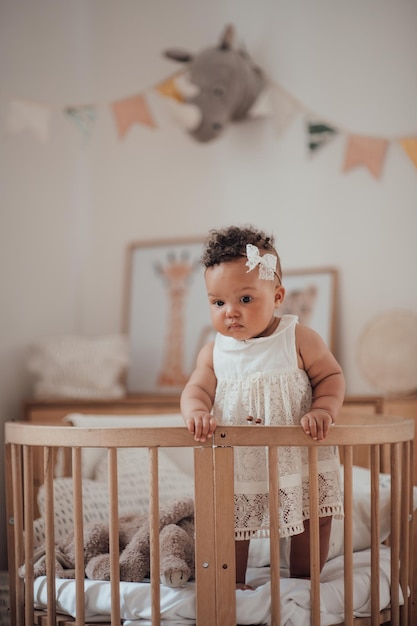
(131, 111)
(285, 108)
(367, 151)
(169, 89)
(410, 146)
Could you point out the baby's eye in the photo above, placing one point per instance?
(246, 299)
(218, 303)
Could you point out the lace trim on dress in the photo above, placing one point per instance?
(252, 514)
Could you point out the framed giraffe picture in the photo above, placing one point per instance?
(166, 314)
(311, 295)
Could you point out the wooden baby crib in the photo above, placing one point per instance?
(387, 443)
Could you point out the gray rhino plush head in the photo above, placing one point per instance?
(220, 85)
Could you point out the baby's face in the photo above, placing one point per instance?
(242, 305)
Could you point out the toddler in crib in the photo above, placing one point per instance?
(269, 370)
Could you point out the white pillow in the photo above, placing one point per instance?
(91, 457)
(133, 474)
(176, 475)
(95, 506)
(361, 525)
(361, 479)
(133, 491)
(77, 366)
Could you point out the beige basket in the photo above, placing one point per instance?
(387, 352)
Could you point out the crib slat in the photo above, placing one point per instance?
(375, 534)
(314, 535)
(385, 462)
(11, 539)
(78, 536)
(114, 537)
(413, 541)
(204, 519)
(154, 536)
(348, 533)
(395, 533)
(274, 536)
(50, 533)
(16, 454)
(224, 530)
(28, 541)
(406, 515)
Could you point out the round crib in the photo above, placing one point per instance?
(384, 445)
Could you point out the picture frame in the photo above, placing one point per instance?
(311, 294)
(166, 315)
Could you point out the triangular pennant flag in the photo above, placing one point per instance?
(409, 144)
(29, 115)
(284, 108)
(169, 89)
(367, 151)
(319, 134)
(133, 110)
(84, 117)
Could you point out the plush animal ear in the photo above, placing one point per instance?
(179, 55)
(226, 40)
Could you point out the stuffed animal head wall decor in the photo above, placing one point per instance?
(220, 85)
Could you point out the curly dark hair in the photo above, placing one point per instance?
(229, 244)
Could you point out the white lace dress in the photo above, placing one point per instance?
(261, 378)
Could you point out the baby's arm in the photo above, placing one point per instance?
(198, 396)
(326, 378)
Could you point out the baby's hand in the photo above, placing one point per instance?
(316, 423)
(202, 425)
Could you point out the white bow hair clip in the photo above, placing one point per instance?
(267, 263)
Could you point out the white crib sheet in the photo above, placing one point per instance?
(253, 607)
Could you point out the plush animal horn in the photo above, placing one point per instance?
(189, 116)
(185, 87)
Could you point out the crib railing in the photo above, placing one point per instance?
(387, 438)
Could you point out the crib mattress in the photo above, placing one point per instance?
(252, 607)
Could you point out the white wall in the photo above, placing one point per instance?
(69, 208)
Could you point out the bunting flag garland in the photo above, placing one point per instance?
(131, 111)
(283, 108)
(319, 134)
(25, 115)
(84, 118)
(410, 146)
(367, 151)
(169, 89)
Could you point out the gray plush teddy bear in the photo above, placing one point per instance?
(176, 538)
